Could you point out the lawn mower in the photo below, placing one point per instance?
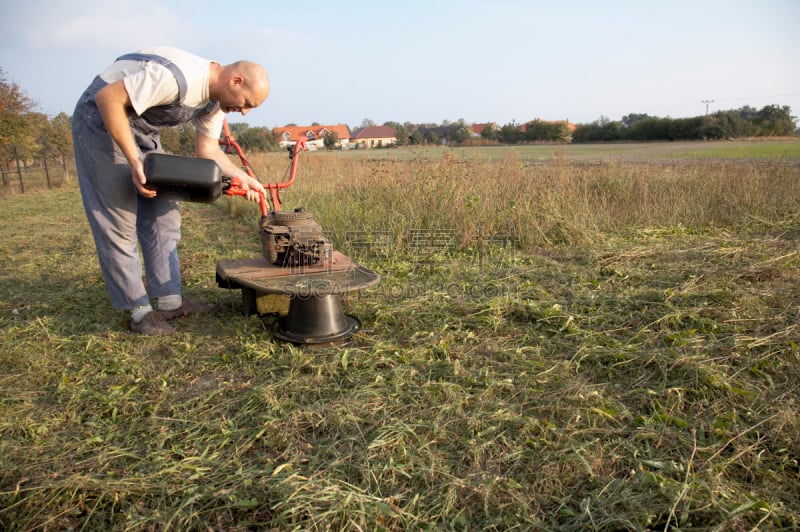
(299, 276)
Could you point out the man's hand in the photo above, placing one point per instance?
(208, 148)
(112, 102)
(255, 190)
(139, 180)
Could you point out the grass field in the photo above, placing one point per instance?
(591, 337)
(643, 152)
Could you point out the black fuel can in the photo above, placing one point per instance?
(183, 178)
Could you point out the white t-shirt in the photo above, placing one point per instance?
(150, 84)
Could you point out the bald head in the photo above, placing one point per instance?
(255, 78)
(239, 86)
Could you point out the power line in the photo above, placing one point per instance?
(756, 97)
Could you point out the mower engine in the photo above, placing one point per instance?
(293, 238)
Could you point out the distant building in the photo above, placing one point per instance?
(315, 134)
(477, 129)
(374, 137)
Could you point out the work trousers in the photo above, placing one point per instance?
(122, 221)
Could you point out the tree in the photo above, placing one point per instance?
(400, 133)
(431, 137)
(633, 118)
(747, 113)
(170, 140)
(29, 141)
(330, 140)
(186, 139)
(490, 132)
(458, 132)
(601, 130)
(652, 128)
(775, 121)
(538, 130)
(771, 120)
(252, 138)
(179, 139)
(711, 128)
(238, 128)
(732, 124)
(60, 135)
(510, 133)
(14, 106)
(256, 139)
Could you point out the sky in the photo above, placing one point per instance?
(431, 61)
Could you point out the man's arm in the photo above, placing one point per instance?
(113, 102)
(208, 148)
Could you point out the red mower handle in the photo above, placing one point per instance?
(235, 186)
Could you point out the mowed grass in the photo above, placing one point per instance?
(555, 344)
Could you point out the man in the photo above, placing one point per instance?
(115, 124)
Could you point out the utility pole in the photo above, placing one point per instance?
(707, 102)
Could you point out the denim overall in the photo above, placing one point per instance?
(120, 218)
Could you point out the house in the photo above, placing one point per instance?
(288, 135)
(374, 137)
(477, 129)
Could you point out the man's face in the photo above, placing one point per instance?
(238, 96)
(238, 100)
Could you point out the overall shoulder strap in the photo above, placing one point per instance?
(179, 77)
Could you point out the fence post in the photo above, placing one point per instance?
(46, 171)
(19, 172)
(64, 165)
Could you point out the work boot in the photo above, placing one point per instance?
(153, 324)
(188, 308)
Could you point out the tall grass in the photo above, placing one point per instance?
(562, 202)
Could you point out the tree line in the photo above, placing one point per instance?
(26, 134)
(769, 121)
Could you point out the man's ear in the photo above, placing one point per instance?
(237, 80)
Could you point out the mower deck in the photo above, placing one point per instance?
(261, 281)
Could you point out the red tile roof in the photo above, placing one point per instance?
(317, 132)
(478, 128)
(375, 132)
